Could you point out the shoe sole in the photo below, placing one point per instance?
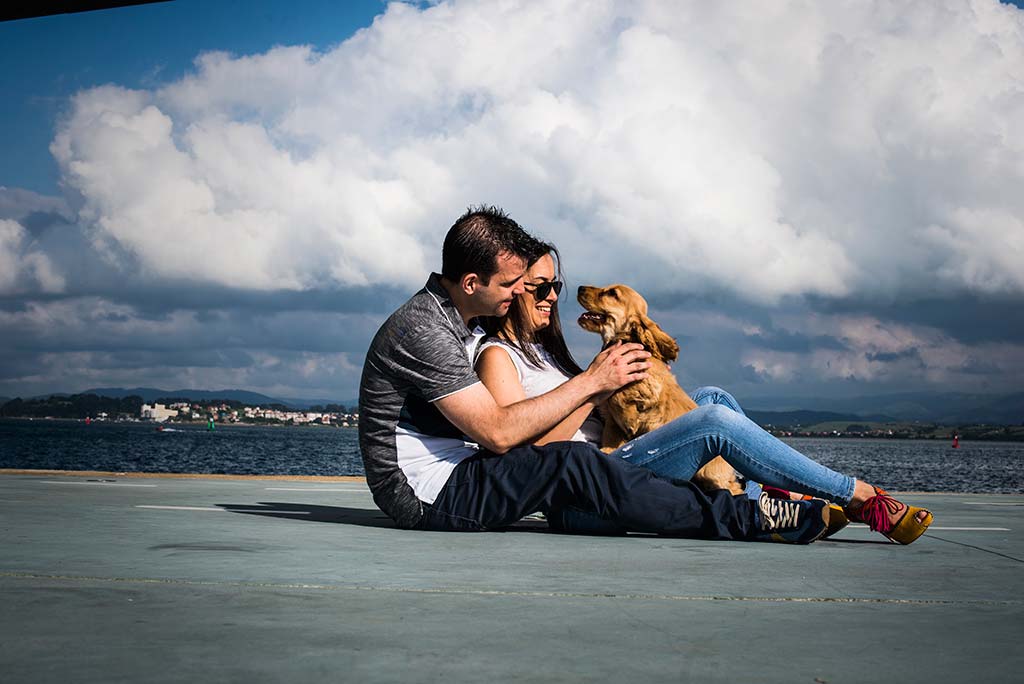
(837, 521)
(825, 516)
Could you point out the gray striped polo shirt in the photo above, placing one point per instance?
(422, 353)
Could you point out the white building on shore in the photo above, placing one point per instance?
(157, 413)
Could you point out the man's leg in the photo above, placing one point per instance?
(584, 522)
(488, 492)
(680, 448)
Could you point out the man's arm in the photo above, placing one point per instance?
(499, 375)
(500, 428)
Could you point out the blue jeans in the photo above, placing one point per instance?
(718, 426)
(704, 396)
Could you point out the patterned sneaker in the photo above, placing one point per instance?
(790, 522)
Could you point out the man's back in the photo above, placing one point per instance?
(409, 448)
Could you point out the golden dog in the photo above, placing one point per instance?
(619, 313)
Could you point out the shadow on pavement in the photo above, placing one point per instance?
(347, 516)
(313, 513)
(373, 518)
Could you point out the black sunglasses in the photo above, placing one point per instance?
(542, 291)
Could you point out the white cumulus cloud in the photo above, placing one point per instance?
(790, 148)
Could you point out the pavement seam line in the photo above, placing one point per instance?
(496, 592)
(977, 548)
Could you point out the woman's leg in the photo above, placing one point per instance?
(792, 470)
(681, 447)
(705, 396)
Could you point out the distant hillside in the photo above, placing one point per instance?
(150, 394)
(306, 403)
(950, 409)
(804, 418)
(1005, 410)
(74, 406)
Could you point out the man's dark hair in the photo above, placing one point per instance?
(474, 242)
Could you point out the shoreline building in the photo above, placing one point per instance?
(158, 413)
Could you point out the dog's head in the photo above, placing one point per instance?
(618, 312)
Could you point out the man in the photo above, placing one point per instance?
(440, 454)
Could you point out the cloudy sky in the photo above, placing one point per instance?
(818, 199)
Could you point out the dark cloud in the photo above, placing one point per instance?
(155, 299)
(981, 367)
(39, 222)
(752, 376)
(15, 363)
(889, 357)
(89, 324)
(784, 340)
(967, 317)
(141, 359)
(18, 204)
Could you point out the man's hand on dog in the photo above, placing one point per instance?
(617, 366)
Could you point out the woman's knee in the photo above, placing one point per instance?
(704, 395)
(720, 417)
(708, 395)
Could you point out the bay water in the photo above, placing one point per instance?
(906, 465)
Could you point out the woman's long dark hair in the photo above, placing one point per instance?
(523, 335)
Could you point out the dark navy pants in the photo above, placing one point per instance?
(488, 491)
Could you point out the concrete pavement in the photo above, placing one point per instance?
(170, 579)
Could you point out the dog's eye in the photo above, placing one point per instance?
(613, 293)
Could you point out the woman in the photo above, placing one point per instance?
(527, 356)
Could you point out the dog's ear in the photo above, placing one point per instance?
(655, 340)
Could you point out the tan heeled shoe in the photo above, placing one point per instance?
(877, 513)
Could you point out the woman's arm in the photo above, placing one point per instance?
(498, 373)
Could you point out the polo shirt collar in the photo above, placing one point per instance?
(440, 295)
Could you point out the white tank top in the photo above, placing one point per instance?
(538, 381)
